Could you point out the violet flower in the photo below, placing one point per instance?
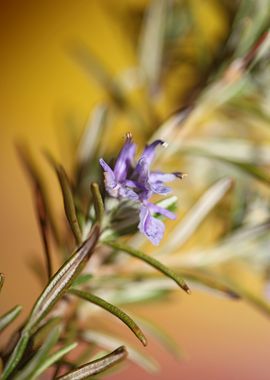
(136, 182)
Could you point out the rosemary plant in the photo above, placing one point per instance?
(119, 205)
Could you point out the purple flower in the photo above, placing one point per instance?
(138, 183)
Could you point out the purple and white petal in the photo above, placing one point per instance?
(125, 159)
(160, 188)
(151, 227)
(163, 177)
(149, 151)
(125, 192)
(162, 211)
(110, 181)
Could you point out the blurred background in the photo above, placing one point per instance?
(205, 69)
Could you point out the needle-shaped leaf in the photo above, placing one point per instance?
(109, 342)
(62, 280)
(150, 261)
(39, 188)
(113, 310)
(8, 317)
(28, 372)
(248, 168)
(152, 41)
(16, 355)
(82, 279)
(53, 358)
(2, 279)
(197, 213)
(98, 202)
(97, 366)
(69, 204)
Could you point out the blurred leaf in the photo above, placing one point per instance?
(53, 358)
(152, 42)
(62, 280)
(82, 279)
(96, 366)
(150, 261)
(39, 187)
(16, 355)
(90, 145)
(160, 334)
(113, 310)
(43, 331)
(32, 366)
(90, 141)
(96, 69)
(188, 225)
(2, 279)
(238, 150)
(109, 342)
(7, 318)
(248, 168)
(210, 282)
(98, 202)
(250, 21)
(68, 200)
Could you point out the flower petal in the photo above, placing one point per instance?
(125, 159)
(151, 227)
(149, 151)
(110, 181)
(163, 177)
(160, 188)
(162, 211)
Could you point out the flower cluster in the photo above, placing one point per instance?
(135, 181)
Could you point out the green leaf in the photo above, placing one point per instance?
(53, 358)
(113, 310)
(248, 168)
(109, 342)
(165, 339)
(188, 225)
(30, 369)
(98, 202)
(69, 204)
(152, 41)
(16, 355)
(38, 185)
(7, 318)
(62, 280)
(149, 260)
(97, 366)
(82, 279)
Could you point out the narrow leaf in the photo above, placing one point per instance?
(53, 358)
(16, 355)
(98, 202)
(38, 185)
(43, 227)
(109, 342)
(82, 279)
(28, 372)
(151, 261)
(152, 41)
(113, 310)
(96, 366)
(61, 281)
(69, 205)
(197, 213)
(7, 318)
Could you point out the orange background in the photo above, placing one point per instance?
(40, 87)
